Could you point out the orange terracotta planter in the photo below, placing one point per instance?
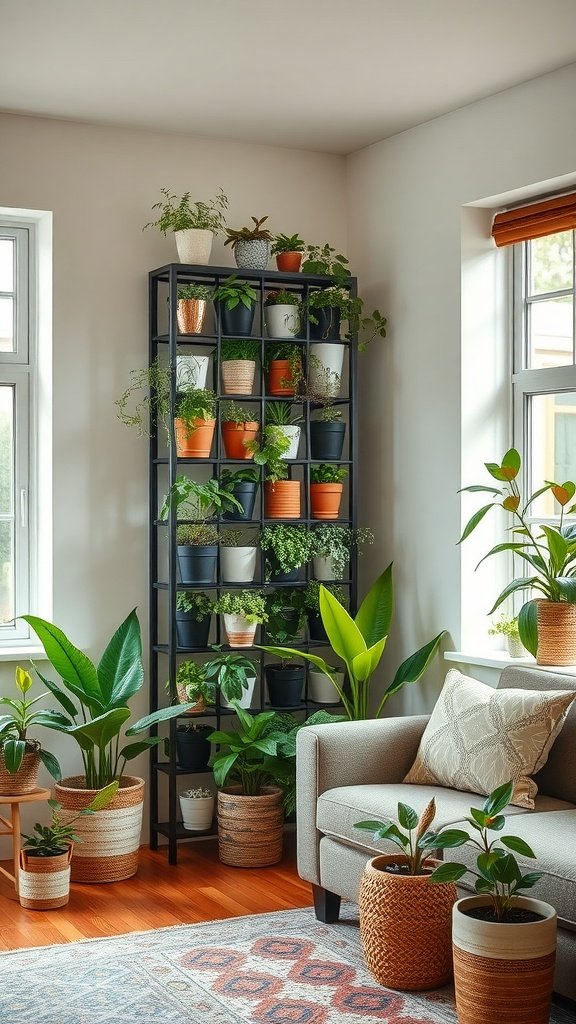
(289, 261)
(194, 443)
(282, 499)
(279, 380)
(325, 500)
(234, 435)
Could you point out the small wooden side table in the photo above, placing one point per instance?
(12, 828)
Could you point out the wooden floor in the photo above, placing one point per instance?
(200, 888)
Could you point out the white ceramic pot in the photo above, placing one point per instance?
(293, 435)
(320, 688)
(282, 321)
(191, 372)
(239, 631)
(246, 698)
(323, 567)
(516, 648)
(325, 369)
(238, 564)
(197, 813)
(252, 254)
(194, 245)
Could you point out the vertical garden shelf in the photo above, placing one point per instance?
(165, 344)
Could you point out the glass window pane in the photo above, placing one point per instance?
(6, 450)
(551, 263)
(6, 264)
(6, 571)
(553, 455)
(6, 324)
(550, 325)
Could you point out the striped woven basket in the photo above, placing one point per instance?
(25, 780)
(44, 882)
(250, 828)
(556, 633)
(109, 839)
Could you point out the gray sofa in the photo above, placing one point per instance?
(354, 770)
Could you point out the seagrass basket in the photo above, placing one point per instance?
(25, 780)
(556, 633)
(44, 882)
(109, 839)
(250, 828)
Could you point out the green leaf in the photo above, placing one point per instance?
(485, 863)
(536, 495)
(475, 519)
(506, 870)
(62, 698)
(120, 672)
(132, 750)
(101, 730)
(518, 846)
(507, 546)
(528, 626)
(393, 833)
(525, 583)
(70, 663)
(451, 838)
(364, 664)
(375, 613)
(51, 764)
(104, 797)
(51, 720)
(496, 471)
(407, 816)
(530, 880)
(512, 463)
(448, 872)
(498, 799)
(567, 587)
(413, 668)
(557, 547)
(345, 638)
(474, 488)
(370, 826)
(479, 816)
(497, 823)
(163, 715)
(13, 751)
(222, 766)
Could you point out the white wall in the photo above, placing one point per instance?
(405, 199)
(100, 184)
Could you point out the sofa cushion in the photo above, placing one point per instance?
(478, 738)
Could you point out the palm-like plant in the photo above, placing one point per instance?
(14, 727)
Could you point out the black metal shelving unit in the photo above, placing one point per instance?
(165, 655)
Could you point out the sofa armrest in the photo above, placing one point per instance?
(347, 754)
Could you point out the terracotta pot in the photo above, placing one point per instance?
(405, 926)
(289, 262)
(191, 314)
(25, 780)
(44, 882)
(325, 500)
(503, 972)
(238, 376)
(556, 633)
(282, 499)
(234, 435)
(195, 443)
(110, 839)
(279, 380)
(250, 828)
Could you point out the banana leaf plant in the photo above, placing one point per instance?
(360, 643)
(550, 551)
(95, 698)
(14, 726)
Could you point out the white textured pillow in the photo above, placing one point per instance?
(479, 738)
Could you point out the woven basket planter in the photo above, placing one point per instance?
(25, 780)
(250, 828)
(503, 973)
(405, 926)
(44, 882)
(556, 633)
(110, 839)
(199, 706)
(238, 376)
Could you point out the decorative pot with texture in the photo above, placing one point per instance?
(503, 972)
(325, 500)
(325, 369)
(239, 631)
(282, 499)
(238, 376)
(556, 633)
(191, 314)
(194, 441)
(44, 882)
(250, 828)
(405, 926)
(198, 703)
(238, 564)
(110, 839)
(252, 253)
(194, 245)
(282, 321)
(25, 780)
(234, 435)
(197, 813)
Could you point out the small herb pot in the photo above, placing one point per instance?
(316, 629)
(325, 369)
(238, 376)
(194, 441)
(285, 685)
(194, 245)
(237, 321)
(279, 379)
(282, 320)
(328, 325)
(196, 563)
(252, 253)
(234, 435)
(282, 499)
(321, 688)
(327, 440)
(289, 262)
(238, 564)
(197, 813)
(325, 500)
(245, 493)
(190, 632)
(192, 749)
(239, 631)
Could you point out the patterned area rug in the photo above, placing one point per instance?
(281, 968)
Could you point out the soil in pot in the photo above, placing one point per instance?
(193, 748)
(194, 443)
(196, 563)
(327, 440)
(237, 321)
(190, 632)
(245, 493)
(285, 685)
(516, 915)
(234, 435)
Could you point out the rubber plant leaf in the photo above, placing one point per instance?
(375, 613)
(70, 663)
(120, 670)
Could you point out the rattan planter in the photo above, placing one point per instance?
(405, 926)
(238, 376)
(556, 633)
(25, 780)
(44, 882)
(250, 828)
(503, 972)
(110, 839)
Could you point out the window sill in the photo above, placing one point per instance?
(15, 653)
(501, 659)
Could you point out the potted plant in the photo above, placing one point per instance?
(408, 951)
(238, 357)
(283, 366)
(153, 385)
(281, 496)
(311, 600)
(235, 677)
(285, 684)
(360, 643)
(196, 553)
(239, 425)
(194, 423)
(21, 756)
(327, 307)
(44, 869)
(282, 314)
(197, 806)
(331, 546)
(288, 250)
(285, 614)
(192, 305)
(242, 611)
(282, 416)
(191, 372)
(193, 618)
(320, 686)
(507, 627)
(326, 489)
(95, 701)
(197, 541)
(500, 937)
(251, 246)
(327, 432)
(194, 224)
(242, 485)
(237, 560)
(236, 304)
(546, 626)
(193, 746)
(285, 548)
(192, 688)
(250, 774)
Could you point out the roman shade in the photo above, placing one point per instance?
(535, 220)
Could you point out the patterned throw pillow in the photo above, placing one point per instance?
(479, 738)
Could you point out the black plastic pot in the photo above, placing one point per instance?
(190, 632)
(327, 440)
(197, 563)
(277, 576)
(245, 493)
(192, 750)
(328, 326)
(285, 685)
(316, 629)
(237, 321)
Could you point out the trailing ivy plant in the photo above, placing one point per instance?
(325, 260)
(181, 214)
